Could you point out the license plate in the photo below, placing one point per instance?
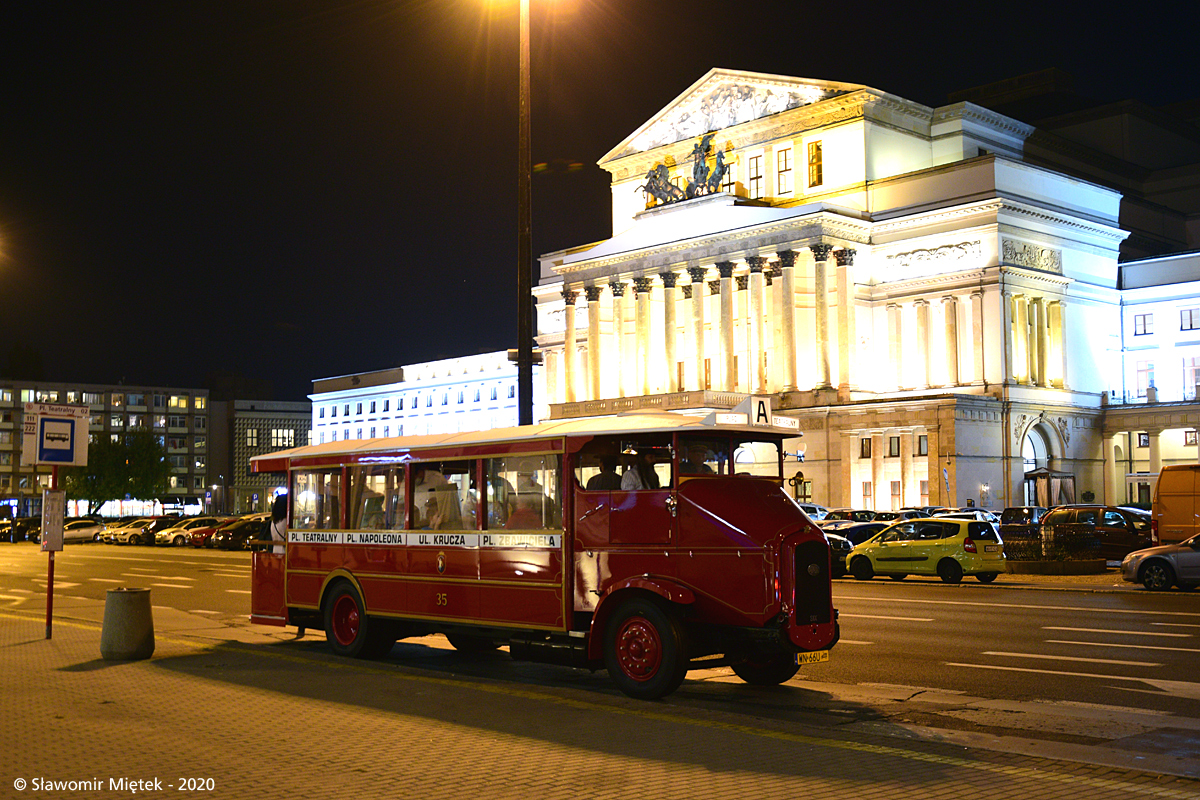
(814, 657)
(991, 548)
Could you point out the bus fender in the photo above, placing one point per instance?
(665, 588)
(333, 577)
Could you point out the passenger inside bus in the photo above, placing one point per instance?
(528, 515)
(607, 478)
(641, 475)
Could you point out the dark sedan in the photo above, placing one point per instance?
(238, 534)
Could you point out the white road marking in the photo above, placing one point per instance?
(852, 641)
(238, 591)
(1033, 606)
(105, 580)
(173, 585)
(1071, 658)
(879, 616)
(57, 584)
(160, 577)
(1110, 630)
(1135, 646)
(1176, 624)
(202, 611)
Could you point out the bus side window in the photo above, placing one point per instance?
(316, 503)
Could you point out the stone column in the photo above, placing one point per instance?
(1155, 452)
(569, 345)
(728, 374)
(1043, 335)
(878, 503)
(896, 343)
(697, 276)
(787, 294)
(977, 334)
(933, 469)
(848, 460)
(924, 346)
(1112, 472)
(741, 317)
(641, 290)
(847, 313)
(950, 312)
(757, 347)
(821, 299)
(1057, 361)
(618, 293)
(907, 493)
(670, 330)
(1021, 338)
(593, 300)
(773, 277)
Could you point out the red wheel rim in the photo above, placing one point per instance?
(345, 620)
(639, 649)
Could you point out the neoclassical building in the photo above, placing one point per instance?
(943, 315)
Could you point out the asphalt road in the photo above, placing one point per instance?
(1132, 649)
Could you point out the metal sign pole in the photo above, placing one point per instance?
(50, 568)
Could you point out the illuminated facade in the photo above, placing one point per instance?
(470, 393)
(942, 315)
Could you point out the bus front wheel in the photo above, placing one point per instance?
(644, 649)
(348, 629)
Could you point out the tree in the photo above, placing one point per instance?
(136, 466)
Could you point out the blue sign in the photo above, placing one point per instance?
(56, 439)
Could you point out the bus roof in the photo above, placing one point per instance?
(630, 423)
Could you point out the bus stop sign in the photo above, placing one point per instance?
(54, 434)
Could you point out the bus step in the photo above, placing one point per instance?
(549, 650)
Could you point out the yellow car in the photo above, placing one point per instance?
(948, 548)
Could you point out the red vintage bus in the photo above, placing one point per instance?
(644, 544)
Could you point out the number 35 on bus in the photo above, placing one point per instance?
(644, 544)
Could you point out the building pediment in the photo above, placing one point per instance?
(724, 98)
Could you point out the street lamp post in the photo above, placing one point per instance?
(524, 238)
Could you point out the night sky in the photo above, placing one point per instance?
(286, 190)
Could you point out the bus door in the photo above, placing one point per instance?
(521, 549)
(642, 511)
(443, 544)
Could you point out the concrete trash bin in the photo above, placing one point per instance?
(128, 632)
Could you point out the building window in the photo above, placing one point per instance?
(201, 423)
(893, 446)
(199, 462)
(512, 392)
(867, 495)
(1143, 324)
(1143, 440)
(179, 401)
(200, 442)
(358, 408)
(754, 178)
(387, 431)
(372, 407)
(386, 405)
(895, 495)
(358, 433)
(493, 392)
(160, 421)
(1191, 377)
(816, 168)
(1145, 377)
(429, 400)
(285, 437)
(1189, 319)
(923, 445)
(864, 448)
(924, 493)
(136, 399)
(1189, 438)
(252, 437)
(197, 481)
(117, 399)
(729, 183)
(346, 410)
(200, 403)
(91, 398)
(783, 171)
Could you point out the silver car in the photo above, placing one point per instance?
(1157, 568)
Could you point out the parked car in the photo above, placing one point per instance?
(981, 514)
(1101, 531)
(855, 515)
(947, 547)
(814, 511)
(856, 532)
(79, 530)
(1158, 568)
(895, 516)
(1021, 522)
(140, 531)
(20, 529)
(199, 537)
(839, 548)
(238, 534)
(179, 534)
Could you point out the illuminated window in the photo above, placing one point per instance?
(201, 403)
(1189, 319)
(783, 171)
(1191, 376)
(179, 401)
(1143, 324)
(864, 448)
(252, 437)
(201, 442)
(754, 177)
(1145, 377)
(285, 437)
(91, 398)
(199, 464)
(816, 169)
(118, 399)
(1189, 438)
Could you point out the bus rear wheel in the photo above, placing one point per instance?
(644, 649)
(348, 629)
(769, 671)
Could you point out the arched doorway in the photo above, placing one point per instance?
(1043, 485)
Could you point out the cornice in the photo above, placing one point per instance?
(985, 116)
